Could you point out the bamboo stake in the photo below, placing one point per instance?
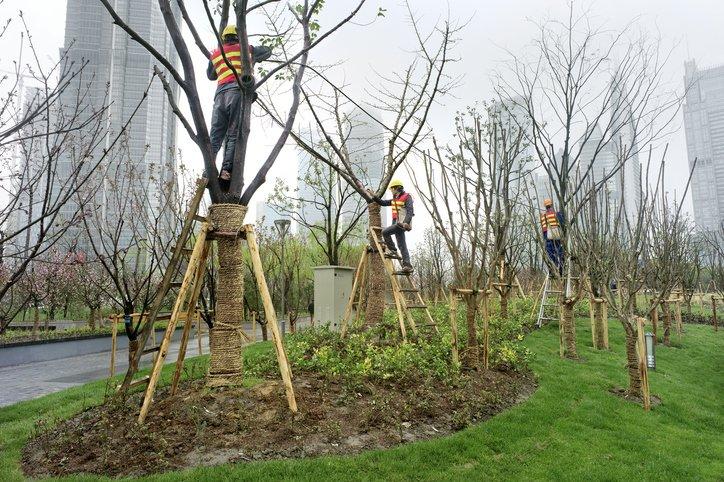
(643, 368)
(361, 293)
(114, 342)
(186, 286)
(271, 316)
(198, 283)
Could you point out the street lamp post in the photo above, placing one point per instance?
(282, 226)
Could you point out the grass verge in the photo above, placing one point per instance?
(572, 428)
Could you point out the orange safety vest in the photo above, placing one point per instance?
(224, 74)
(550, 218)
(398, 205)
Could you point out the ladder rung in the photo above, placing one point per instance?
(402, 273)
(183, 250)
(175, 284)
(376, 228)
(409, 290)
(416, 306)
(151, 350)
(199, 218)
(140, 381)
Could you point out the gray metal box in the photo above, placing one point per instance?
(332, 288)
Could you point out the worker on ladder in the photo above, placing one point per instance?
(552, 224)
(227, 100)
(402, 213)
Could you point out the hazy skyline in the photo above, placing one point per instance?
(691, 30)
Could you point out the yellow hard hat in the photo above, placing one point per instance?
(548, 202)
(230, 30)
(395, 183)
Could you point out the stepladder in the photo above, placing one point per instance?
(549, 309)
(186, 301)
(405, 296)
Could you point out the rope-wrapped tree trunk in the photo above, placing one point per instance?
(225, 339)
(599, 324)
(632, 361)
(376, 280)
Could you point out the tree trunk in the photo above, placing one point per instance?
(568, 330)
(264, 333)
(472, 354)
(376, 282)
(667, 323)
(504, 295)
(132, 347)
(654, 316)
(632, 361)
(225, 364)
(36, 319)
(599, 325)
(92, 319)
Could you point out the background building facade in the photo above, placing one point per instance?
(704, 125)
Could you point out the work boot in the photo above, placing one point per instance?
(392, 254)
(407, 268)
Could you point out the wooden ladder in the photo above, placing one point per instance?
(402, 304)
(167, 283)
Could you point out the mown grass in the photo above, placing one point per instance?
(571, 428)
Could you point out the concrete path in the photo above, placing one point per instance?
(33, 380)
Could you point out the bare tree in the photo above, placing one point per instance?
(49, 146)
(297, 22)
(330, 210)
(407, 98)
(586, 91)
(432, 262)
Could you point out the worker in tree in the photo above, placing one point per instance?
(552, 224)
(227, 100)
(402, 213)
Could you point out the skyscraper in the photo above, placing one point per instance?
(119, 71)
(704, 125)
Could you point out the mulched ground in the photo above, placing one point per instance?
(201, 426)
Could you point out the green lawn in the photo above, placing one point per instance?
(570, 429)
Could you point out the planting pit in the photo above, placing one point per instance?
(200, 426)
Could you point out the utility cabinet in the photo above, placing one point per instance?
(332, 287)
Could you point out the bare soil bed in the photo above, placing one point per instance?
(201, 426)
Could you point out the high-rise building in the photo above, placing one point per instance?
(704, 125)
(118, 72)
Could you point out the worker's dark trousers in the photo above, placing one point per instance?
(554, 249)
(399, 233)
(225, 124)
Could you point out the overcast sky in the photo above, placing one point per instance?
(694, 28)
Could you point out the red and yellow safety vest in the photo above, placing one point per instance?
(398, 206)
(549, 218)
(233, 55)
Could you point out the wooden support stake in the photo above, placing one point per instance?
(604, 315)
(114, 342)
(677, 315)
(356, 285)
(713, 309)
(190, 310)
(253, 326)
(643, 368)
(197, 316)
(454, 326)
(184, 291)
(271, 316)
(591, 301)
(486, 328)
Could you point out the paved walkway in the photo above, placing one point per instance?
(33, 380)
